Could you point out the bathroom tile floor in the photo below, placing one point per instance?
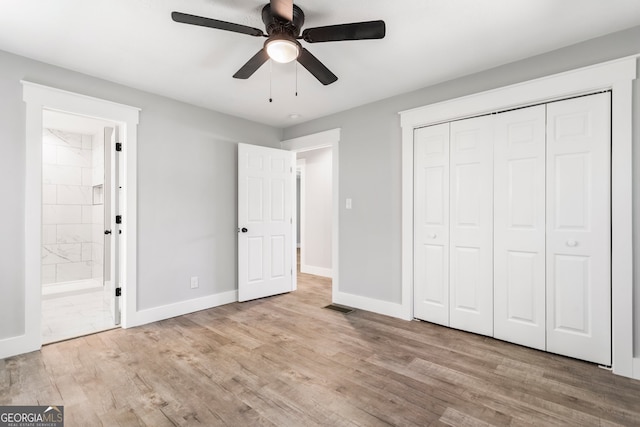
(71, 316)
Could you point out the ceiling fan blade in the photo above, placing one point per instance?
(315, 67)
(283, 9)
(252, 65)
(185, 18)
(353, 31)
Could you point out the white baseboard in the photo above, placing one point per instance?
(316, 271)
(369, 304)
(17, 345)
(155, 314)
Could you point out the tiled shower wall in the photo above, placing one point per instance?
(72, 221)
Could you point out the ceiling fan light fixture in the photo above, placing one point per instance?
(282, 50)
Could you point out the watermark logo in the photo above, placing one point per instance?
(31, 416)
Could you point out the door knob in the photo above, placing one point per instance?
(244, 229)
(433, 235)
(107, 231)
(572, 243)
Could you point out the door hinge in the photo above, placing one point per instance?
(118, 292)
(118, 219)
(118, 146)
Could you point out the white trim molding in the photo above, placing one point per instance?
(38, 97)
(617, 76)
(329, 138)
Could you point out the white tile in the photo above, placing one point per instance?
(97, 175)
(48, 234)
(70, 156)
(87, 250)
(97, 251)
(56, 174)
(87, 176)
(48, 274)
(49, 194)
(61, 214)
(67, 139)
(49, 138)
(87, 142)
(87, 214)
(98, 214)
(65, 253)
(73, 271)
(74, 233)
(74, 195)
(49, 156)
(97, 232)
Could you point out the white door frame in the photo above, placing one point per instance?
(38, 97)
(301, 169)
(329, 138)
(617, 75)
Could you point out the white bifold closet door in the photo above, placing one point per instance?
(519, 226)
(579, 228)
(471, 227)
(431, 224)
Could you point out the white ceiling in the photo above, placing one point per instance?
(135, 43)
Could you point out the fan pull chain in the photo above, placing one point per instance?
(296, 62)
(270, 78)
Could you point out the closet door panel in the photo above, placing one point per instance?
(471, 228)
(519, 226)
(431, 224)
(578, 228)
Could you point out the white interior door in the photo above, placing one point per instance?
(519, 226)
(579, 228)
(431, 224)
(265, 221)
(471, 228)
(112, 236)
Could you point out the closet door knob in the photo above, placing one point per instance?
(572, 243)
(433, 235)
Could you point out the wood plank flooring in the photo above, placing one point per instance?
(287, 361)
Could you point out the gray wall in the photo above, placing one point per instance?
(370, 163)
(187, 171)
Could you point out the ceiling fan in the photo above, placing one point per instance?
(283, 21)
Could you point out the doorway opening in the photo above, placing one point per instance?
(326, 139)
(78, 181)
(315, 199)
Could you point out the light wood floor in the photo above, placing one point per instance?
(286, 361)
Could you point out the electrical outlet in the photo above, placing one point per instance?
(194, 282)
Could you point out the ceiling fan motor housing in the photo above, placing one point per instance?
(276, 25)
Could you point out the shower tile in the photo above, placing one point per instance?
(56, 174)
(74, 195)
(97, 232)
(87, 142)
(49, 154)
(74, 233)
(98, 214)
(87, 251)
(58, 137)
(64, 253)
(87, 214)
(49, 234)
(61, 214)
(73, 271)
(70, 156)
(49, 194)
(48, 274)
(87, 176)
